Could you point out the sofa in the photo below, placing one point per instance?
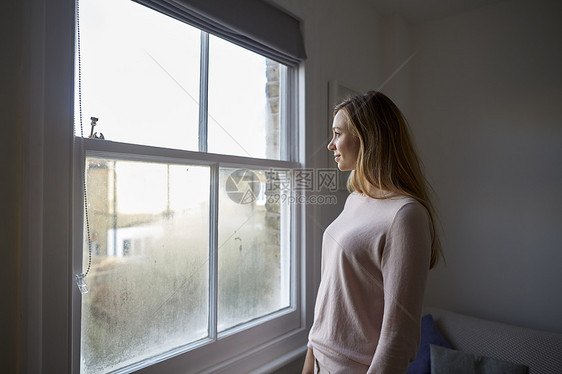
(484, 346)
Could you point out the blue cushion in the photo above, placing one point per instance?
(430, 334)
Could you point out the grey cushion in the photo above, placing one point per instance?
(447, 361)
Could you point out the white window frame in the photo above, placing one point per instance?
(50, 306)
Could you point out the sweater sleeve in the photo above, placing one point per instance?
(404, 264)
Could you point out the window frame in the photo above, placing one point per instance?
(220, 350)
(47, 274)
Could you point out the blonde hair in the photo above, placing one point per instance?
(387, 159)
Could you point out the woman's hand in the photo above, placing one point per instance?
(308, 367)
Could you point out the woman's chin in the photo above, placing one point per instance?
(343, 167)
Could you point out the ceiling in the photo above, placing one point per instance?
(423, 10)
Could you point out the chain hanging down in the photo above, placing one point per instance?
(81, 278)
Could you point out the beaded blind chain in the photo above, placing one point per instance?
(81, 278)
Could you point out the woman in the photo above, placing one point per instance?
(377, 253)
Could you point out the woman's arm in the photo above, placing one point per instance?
(404, 265)
(308, 367)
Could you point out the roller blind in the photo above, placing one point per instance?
(252, 24)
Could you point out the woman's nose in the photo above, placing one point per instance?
(331, 145)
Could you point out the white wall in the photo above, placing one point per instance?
(487, 117)
(398, 58)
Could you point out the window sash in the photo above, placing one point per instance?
(197, 355)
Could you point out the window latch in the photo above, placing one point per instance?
(94, 135)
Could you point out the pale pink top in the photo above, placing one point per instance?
(375, 260)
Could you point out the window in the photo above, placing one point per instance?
(184, 249)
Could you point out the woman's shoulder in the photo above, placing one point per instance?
(385, 206)
(401, 206)
(405, 202)
(391, 202)
(409, 211)
(387, 199)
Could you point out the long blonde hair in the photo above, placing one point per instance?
(387, 159)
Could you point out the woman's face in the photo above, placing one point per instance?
(344, 144)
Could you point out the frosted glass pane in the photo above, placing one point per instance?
(148, 284)
(253, 254)
(244, 94)
(140, 74)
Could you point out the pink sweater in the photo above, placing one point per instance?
(375, 262)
